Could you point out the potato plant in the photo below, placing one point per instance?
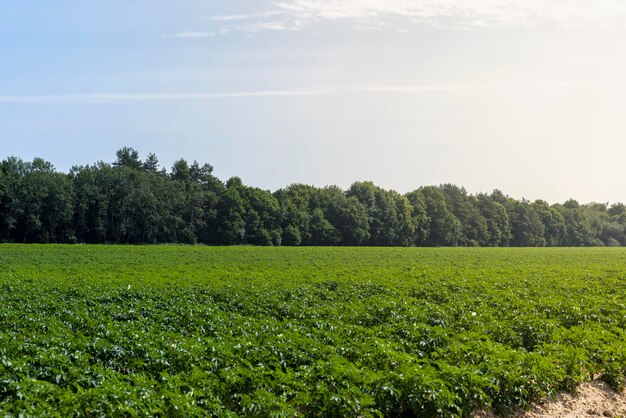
(243, 331)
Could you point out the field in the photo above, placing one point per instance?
(203, 331)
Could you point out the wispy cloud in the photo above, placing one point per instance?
(149, 97)
(274, 20)
(229, 18)
(368, 14)
(275, 25)
(193, 35)
(433, 88)
(371, 88)
(471, 12)
(247, 16)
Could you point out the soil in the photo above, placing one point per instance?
(594, 399)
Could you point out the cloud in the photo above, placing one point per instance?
(371, 88)
(151, 97)
(228, 18)
(274, 20)
(193, 35)
(239, 22)
(285, 25)
(367, 88)
(368, 14)
(433, 88)
(248, 16)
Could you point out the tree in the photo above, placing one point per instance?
(3, 194)
(389, 214)
(596, 217)
(445, 228)
(190, 201)
(297, 202)
(11, 171)
(151, 164)
(474, 229)
(578, 233)
(347, 215)
(291, 236)
(261, 217)
(419, 217)
(202, 174)
(496, 219)
(322, 231)
(617, 209)
(37, 202)
(230, 213)
(129, 158)
(614, 231)
(130, 201)
(554, 229)
(527, 230)
(180, 171)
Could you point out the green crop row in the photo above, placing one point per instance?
(202, 331)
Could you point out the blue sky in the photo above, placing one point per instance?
(525, 96)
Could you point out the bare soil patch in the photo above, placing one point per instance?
(594, 399)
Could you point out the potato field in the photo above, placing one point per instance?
(261, 331)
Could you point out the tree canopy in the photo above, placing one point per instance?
(135, 201)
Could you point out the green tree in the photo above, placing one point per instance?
(262, 216)
(474, 228)
(616, 210)
(13, 169)
(297, 202)
(190, 201)
(497, 221)
(151, 164)
(596, 217)
(322, 231)
(555, 230)
(578, 233)
(419, 217)
(129, 158)
(445, 228)
(291, 236)
(389, 214)
(346, 214)
(230, 214)
(527, 229)
(37, 203)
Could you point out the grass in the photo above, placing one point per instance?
(204, 331)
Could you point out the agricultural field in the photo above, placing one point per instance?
(261, 331)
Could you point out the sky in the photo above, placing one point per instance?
(528, 97)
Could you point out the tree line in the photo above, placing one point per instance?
(134, 201)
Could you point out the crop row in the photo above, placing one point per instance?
(310, 332)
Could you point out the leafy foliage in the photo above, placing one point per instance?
(135, 202)
(206, 331)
